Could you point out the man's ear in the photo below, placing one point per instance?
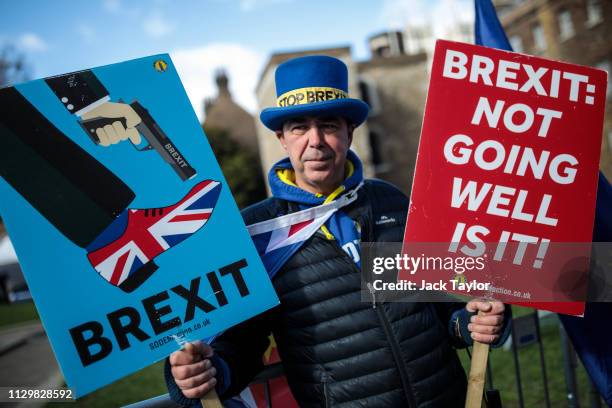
(350, 130)
(281, 137)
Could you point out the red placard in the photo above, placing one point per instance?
(507, 171)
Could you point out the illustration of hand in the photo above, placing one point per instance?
(115, 132)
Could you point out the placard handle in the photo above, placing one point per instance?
(476, 379)
(211, 400)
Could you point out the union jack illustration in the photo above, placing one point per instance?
(123, 254)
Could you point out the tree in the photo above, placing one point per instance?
(240, 167)
(13, 67)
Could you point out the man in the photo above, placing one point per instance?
(336, 349)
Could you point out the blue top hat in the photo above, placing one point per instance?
(313, 86)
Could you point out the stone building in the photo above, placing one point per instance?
(232, 135)
(392, 83)
(576, 31)
(224, 114)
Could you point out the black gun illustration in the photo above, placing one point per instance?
(154, 135)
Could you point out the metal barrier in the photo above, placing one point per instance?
(526, 332)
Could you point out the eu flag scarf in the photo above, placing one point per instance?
(338, 226)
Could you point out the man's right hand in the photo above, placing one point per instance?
(192, 369)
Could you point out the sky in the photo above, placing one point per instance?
(202, 36)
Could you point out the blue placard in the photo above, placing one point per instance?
(128, 250)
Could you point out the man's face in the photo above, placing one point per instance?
(317, 148)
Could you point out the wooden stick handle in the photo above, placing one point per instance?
(476, 380)
(478, 370)
(211, 400)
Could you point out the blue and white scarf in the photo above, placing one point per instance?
(278, 239)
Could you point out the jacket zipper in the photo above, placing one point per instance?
(397, 357)
(325, 394)
(399, 362)
(373, 293)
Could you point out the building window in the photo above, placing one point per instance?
(369, 94)
(594, 14)
(566, 27)
(380, 163)
(538, 37)
(517, 43)
(375, 149)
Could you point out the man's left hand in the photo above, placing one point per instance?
(486, 326)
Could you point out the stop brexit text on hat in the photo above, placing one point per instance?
(313, 85)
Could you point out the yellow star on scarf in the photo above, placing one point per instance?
(271, 347)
